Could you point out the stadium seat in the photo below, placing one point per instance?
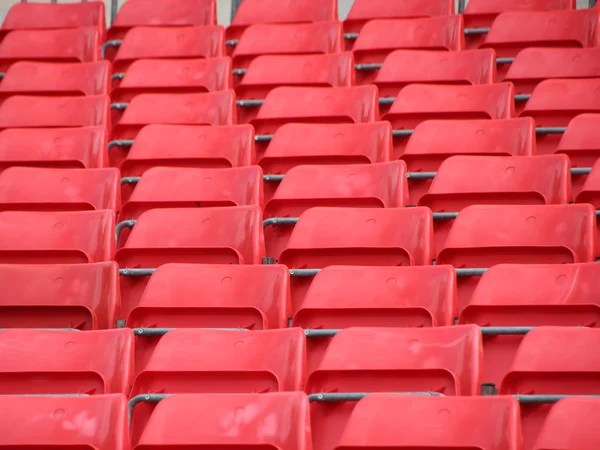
(354, 296)
(483, 236)
(552, 360)
(590, 191)
(174, 76)
(84, 147)
(462, 181)
(166, 13)
(56, 237)
(190, 146)
(419, 102)
(22, 111)
(459, 422)
(570, 425)
(378, 38)
(56, 46)
(34, 189)
(168, 43)
(79, 296)
(254, 12)
(444, 360)
(25, 78)
(250, 414)
(554, 103)
(213, 108)
(66, 362)
(530, 295)
(381, 185)
(57, 421)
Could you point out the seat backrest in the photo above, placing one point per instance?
(81, 296)
(481, 13)
(59, 189)
(580, 140)
(590, 192)
(66, 362)
(39, 421)
(56, 237)
(255, 297)
(194, 235)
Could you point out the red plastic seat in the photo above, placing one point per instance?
(84, 147)
(175, 13)
(570, 425)
(169, 43)
(66, 362)
(380, 185)
(483, 236)
(462, 181)
(253, 414)
(530, 295)
(56, 237)
(33, 189)
(40, 16)
(22, 111)
(297, 144)
(81, 296)
(590, 192)
(404, 67)
(41, 422)
(186, 76)
(297, 39)
(194, 235)
(57, 46)
(56, 79)
(459, 422)
(254, 12)
(552, 360)
(190, 146)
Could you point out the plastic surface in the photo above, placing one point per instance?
(481, 13)
(187, 235)
(190, 146)
(580, 142)
(174, 76)
(58, 46)
(81, 296)
(83, 147)
(56, 237)
(590, 192)
(33, 189)
(46, 422)
(54, 112)
(66, 362)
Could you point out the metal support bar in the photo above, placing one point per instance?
(421, 175)
(444, 215)
(48, 329)
(144, 398)
(136, 272)
(249, 103)
(304, 273)
(505, 331)
(280, 221)
(402, 133)
(351, 36)
(581, 170)
(273, 178)
(122, 106)
(130, 180)
(550, 130)
(114, 6)
(541, 399)
(367, 67)
(502, 61)
(239, 71)
(321, 333)
(150, 332)
(461, 6)
(120, 143)
(522, 97)
(325, 397)
(386, 100)
(470, 272)
(231, 43)
(263, 138)
(117, 76)
(114, 43)
(475, 31)
(121, 225)
(2, 75)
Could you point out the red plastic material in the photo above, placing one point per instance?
(590, 192)
(404, 67)
(297, 144)
(56, 79)
(166, 187)
(481, 13)
(60, 147)
(174, 13)
(40, 16)
(58, 46)
(81, 296)
(63, 422)
(33, 189)
(490, 423)
(55, 112)
(571, 425)
(281, 11)
(354, 186)
(581, 141)
(66, 362)
(530, 295)
(174, 76)
(552, 360)
(298, 39)
(317, 105)
(56, 237)
(190, 146)
(251, 414)
(169, 43)
(195, 235)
